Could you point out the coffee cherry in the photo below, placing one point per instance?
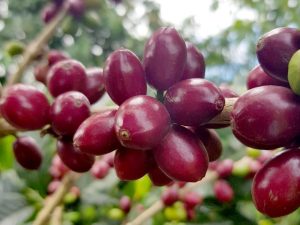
(266, 117)
(100, 169)
(164, 58)
(74, 159)
(40, 72)
(191, 200)
(76, 7)
(131, 164)
(49, 12)
(181, 155)
(227, 92)
(96, 134)
(257, 77)
(195, 64)
(53, 186)
(141, 122)
(275, 49)
(94, 88)
(124, 76)
(170, 196)
(27, 153)
(211, 141)
(223, 191)
(68, 111)
(25, 107)
(66, 75)
(125, 204)
(55, 56)
(275, 188)
(58, 168)
(158, 177)
(109, 158)
(224, 168)
(187, 99)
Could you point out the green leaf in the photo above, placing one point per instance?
(6, 153)
(294, 72)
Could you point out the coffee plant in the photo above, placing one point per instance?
(135, 131)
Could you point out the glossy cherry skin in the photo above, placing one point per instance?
(55, 56)
(131, 164)
(68, 111)
(158, 177)
(266, 117)
(141, 122)
(40, 72)
(100, 169)
(187, 99)
(181, 155)
(223, 191)
(257, 77)
(164, 60)
(27, 153)
(275, 49)
(227, 92)
(66, 75)
(275, 188)
(25, 107)
(96, 135)
(94, 88)
(124, 76)
(211, 141)
(195, 64)
(74, 159)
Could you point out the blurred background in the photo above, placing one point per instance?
(225, 31)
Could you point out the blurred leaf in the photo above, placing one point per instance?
(6, 153)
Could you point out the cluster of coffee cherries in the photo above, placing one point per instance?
(267, 117)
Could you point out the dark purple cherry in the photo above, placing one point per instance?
(25, 107)
(266, 117)
(27, 153)
(94, 88)
(66, 75)
(193, 102)
(275, 49)
(49, 12)
(96, 135)
(73, 158)
(141, 122)
(125, 204)
(211, 141)
(158, 177)
(223, 191)
(55, 56)
(100, 169)
(132, 164)
(40, 72)
(124, 76)
(170, 196)
(275, 188)
(195, 64)
(181, 155)
(164, 58)
(68, 111)
(257, 77)
(76, 7)
(227, 92)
